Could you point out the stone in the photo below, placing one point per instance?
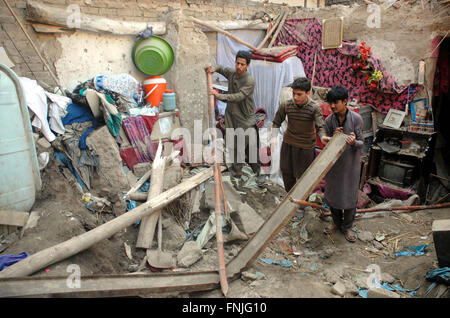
(327, 253)
(245, 276)
(140, 169)
(386, 277)
(441, 239)
(119, 207)
(246, 219)
(365, 236)
(331, 276)
(338, 289)
(189, 254)
(350, 288)
(173, 235)
(378, 245)
(378, 292)
(35, 137)
(43, 143)
(361, 281)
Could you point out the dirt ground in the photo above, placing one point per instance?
(320, 262)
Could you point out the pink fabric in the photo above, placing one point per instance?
(333, 66)
(387, 192)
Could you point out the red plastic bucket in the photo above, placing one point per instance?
(154, 87)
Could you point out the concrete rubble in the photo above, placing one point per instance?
(189, 254)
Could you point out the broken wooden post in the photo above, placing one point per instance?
(43, 13)
(82, 242)
(217, 180)
(223, 32)
(269, 33)
(148, 224)
(280, 27)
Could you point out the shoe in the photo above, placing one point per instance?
(350, 236)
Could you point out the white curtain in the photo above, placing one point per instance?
(270, 77)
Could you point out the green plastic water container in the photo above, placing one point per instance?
(169, 101)
(19, 170)
(152, 56)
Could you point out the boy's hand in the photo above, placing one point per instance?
(325, 139)
(210, 69)
(351, 139)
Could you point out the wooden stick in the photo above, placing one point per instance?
(307, 203)
(402, 208)
(138, 184)
(223, 32)
(34, 47)
(82, 242)
(314, 69)
(280, 27)
(217, 180)
(269, 33)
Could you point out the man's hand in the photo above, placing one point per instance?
(325, 139)
(210, 69)
(351, 139)
(213, 92)
(338, 130)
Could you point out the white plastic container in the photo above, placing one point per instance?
(19, 170)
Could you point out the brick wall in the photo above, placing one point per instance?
(28, 64)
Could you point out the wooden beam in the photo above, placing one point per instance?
(237, 25)
(148, 224)
(108, 285)
(13, 218)
(46, 14)
(82, 242)
(212, 27)
(284, 212)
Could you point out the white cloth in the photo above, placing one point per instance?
(37, 102)
(269, 77)
(57, 111)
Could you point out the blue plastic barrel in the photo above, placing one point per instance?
(169, 101)
(19, 170)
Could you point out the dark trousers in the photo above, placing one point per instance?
(293, 163)
(343, 218)
(249, 147)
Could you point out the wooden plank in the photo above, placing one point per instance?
(108, 285)
(82, 242)
(14, 218)
(31, 222)
(148, 224)
(52, 15)
(284, 212)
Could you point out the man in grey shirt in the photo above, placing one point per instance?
(342, 181)
(240, 112)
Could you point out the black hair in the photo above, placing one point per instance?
(302, 83)
(337, 93)
(245, 55)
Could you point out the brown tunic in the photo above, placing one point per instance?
(302, 120)
(240, 111)
(342, 181)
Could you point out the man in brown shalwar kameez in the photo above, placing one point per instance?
(240, 113)
(342, 181)
(299, 140)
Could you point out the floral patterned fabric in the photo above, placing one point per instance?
(333, 67)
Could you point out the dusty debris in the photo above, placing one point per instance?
(43, 143)
(189, 254)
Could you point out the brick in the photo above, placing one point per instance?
(441, 238)
(378, 292)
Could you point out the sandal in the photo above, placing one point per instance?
(330, 229)
(350, 236)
